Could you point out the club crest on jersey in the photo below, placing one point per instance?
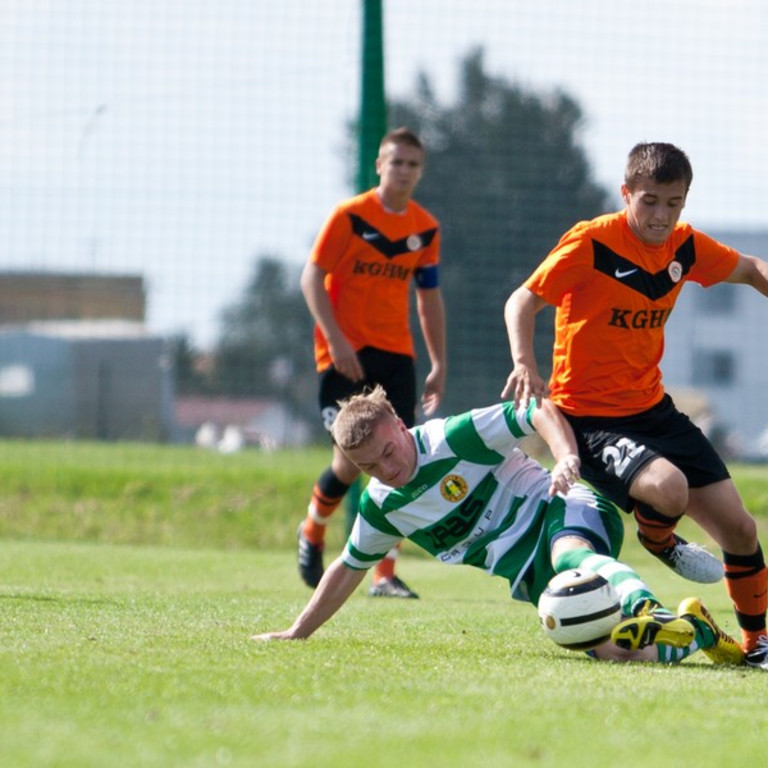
(675, 270)
(453, 488)
(414, 243)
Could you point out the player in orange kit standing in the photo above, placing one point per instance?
(357, 285)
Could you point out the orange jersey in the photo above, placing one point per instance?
(370, 255)
(614, 294)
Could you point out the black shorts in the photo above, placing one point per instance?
(614, 449)
(396, 373)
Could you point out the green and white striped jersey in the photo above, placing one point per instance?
(476, 499)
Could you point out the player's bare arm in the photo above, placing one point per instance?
(335, 588)
(520, 317)
(342, 353)
(558, 435)
(750, 270)
(431, 312)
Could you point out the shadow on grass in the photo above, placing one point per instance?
(37, 598)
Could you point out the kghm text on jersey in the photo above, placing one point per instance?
(378, 269)
(642, 318)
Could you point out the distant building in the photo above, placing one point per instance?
(259, 421)
(716, 344)
(30, 296)
(105, 380)
(77, 361)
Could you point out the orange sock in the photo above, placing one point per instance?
(320, 509)
(654, 529)
(327, 494)
(386, 567)
(746, 579)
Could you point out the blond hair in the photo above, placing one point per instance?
(358, 416)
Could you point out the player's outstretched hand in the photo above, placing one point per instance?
(565, 473)
(267, 636)
(524, 383)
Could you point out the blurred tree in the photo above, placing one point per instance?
(265, 348)
(188, 367)
(506, 177)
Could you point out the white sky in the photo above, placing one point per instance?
(182, 138)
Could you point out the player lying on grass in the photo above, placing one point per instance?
(461, 489)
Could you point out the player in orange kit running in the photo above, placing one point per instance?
(614, 281)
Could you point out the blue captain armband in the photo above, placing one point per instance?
(426, 277)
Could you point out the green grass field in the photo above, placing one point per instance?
(132, 577)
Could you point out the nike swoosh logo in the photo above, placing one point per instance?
(619, 273)
(370, 235)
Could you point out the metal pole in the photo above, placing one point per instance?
(373, 108)
(373, 125)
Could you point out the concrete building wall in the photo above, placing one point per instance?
(36, 387)
(59, 384)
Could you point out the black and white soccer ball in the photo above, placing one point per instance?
(578, 609)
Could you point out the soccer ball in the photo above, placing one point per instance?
(578, 609)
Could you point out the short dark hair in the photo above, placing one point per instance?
(658, 161)
(401, 135)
